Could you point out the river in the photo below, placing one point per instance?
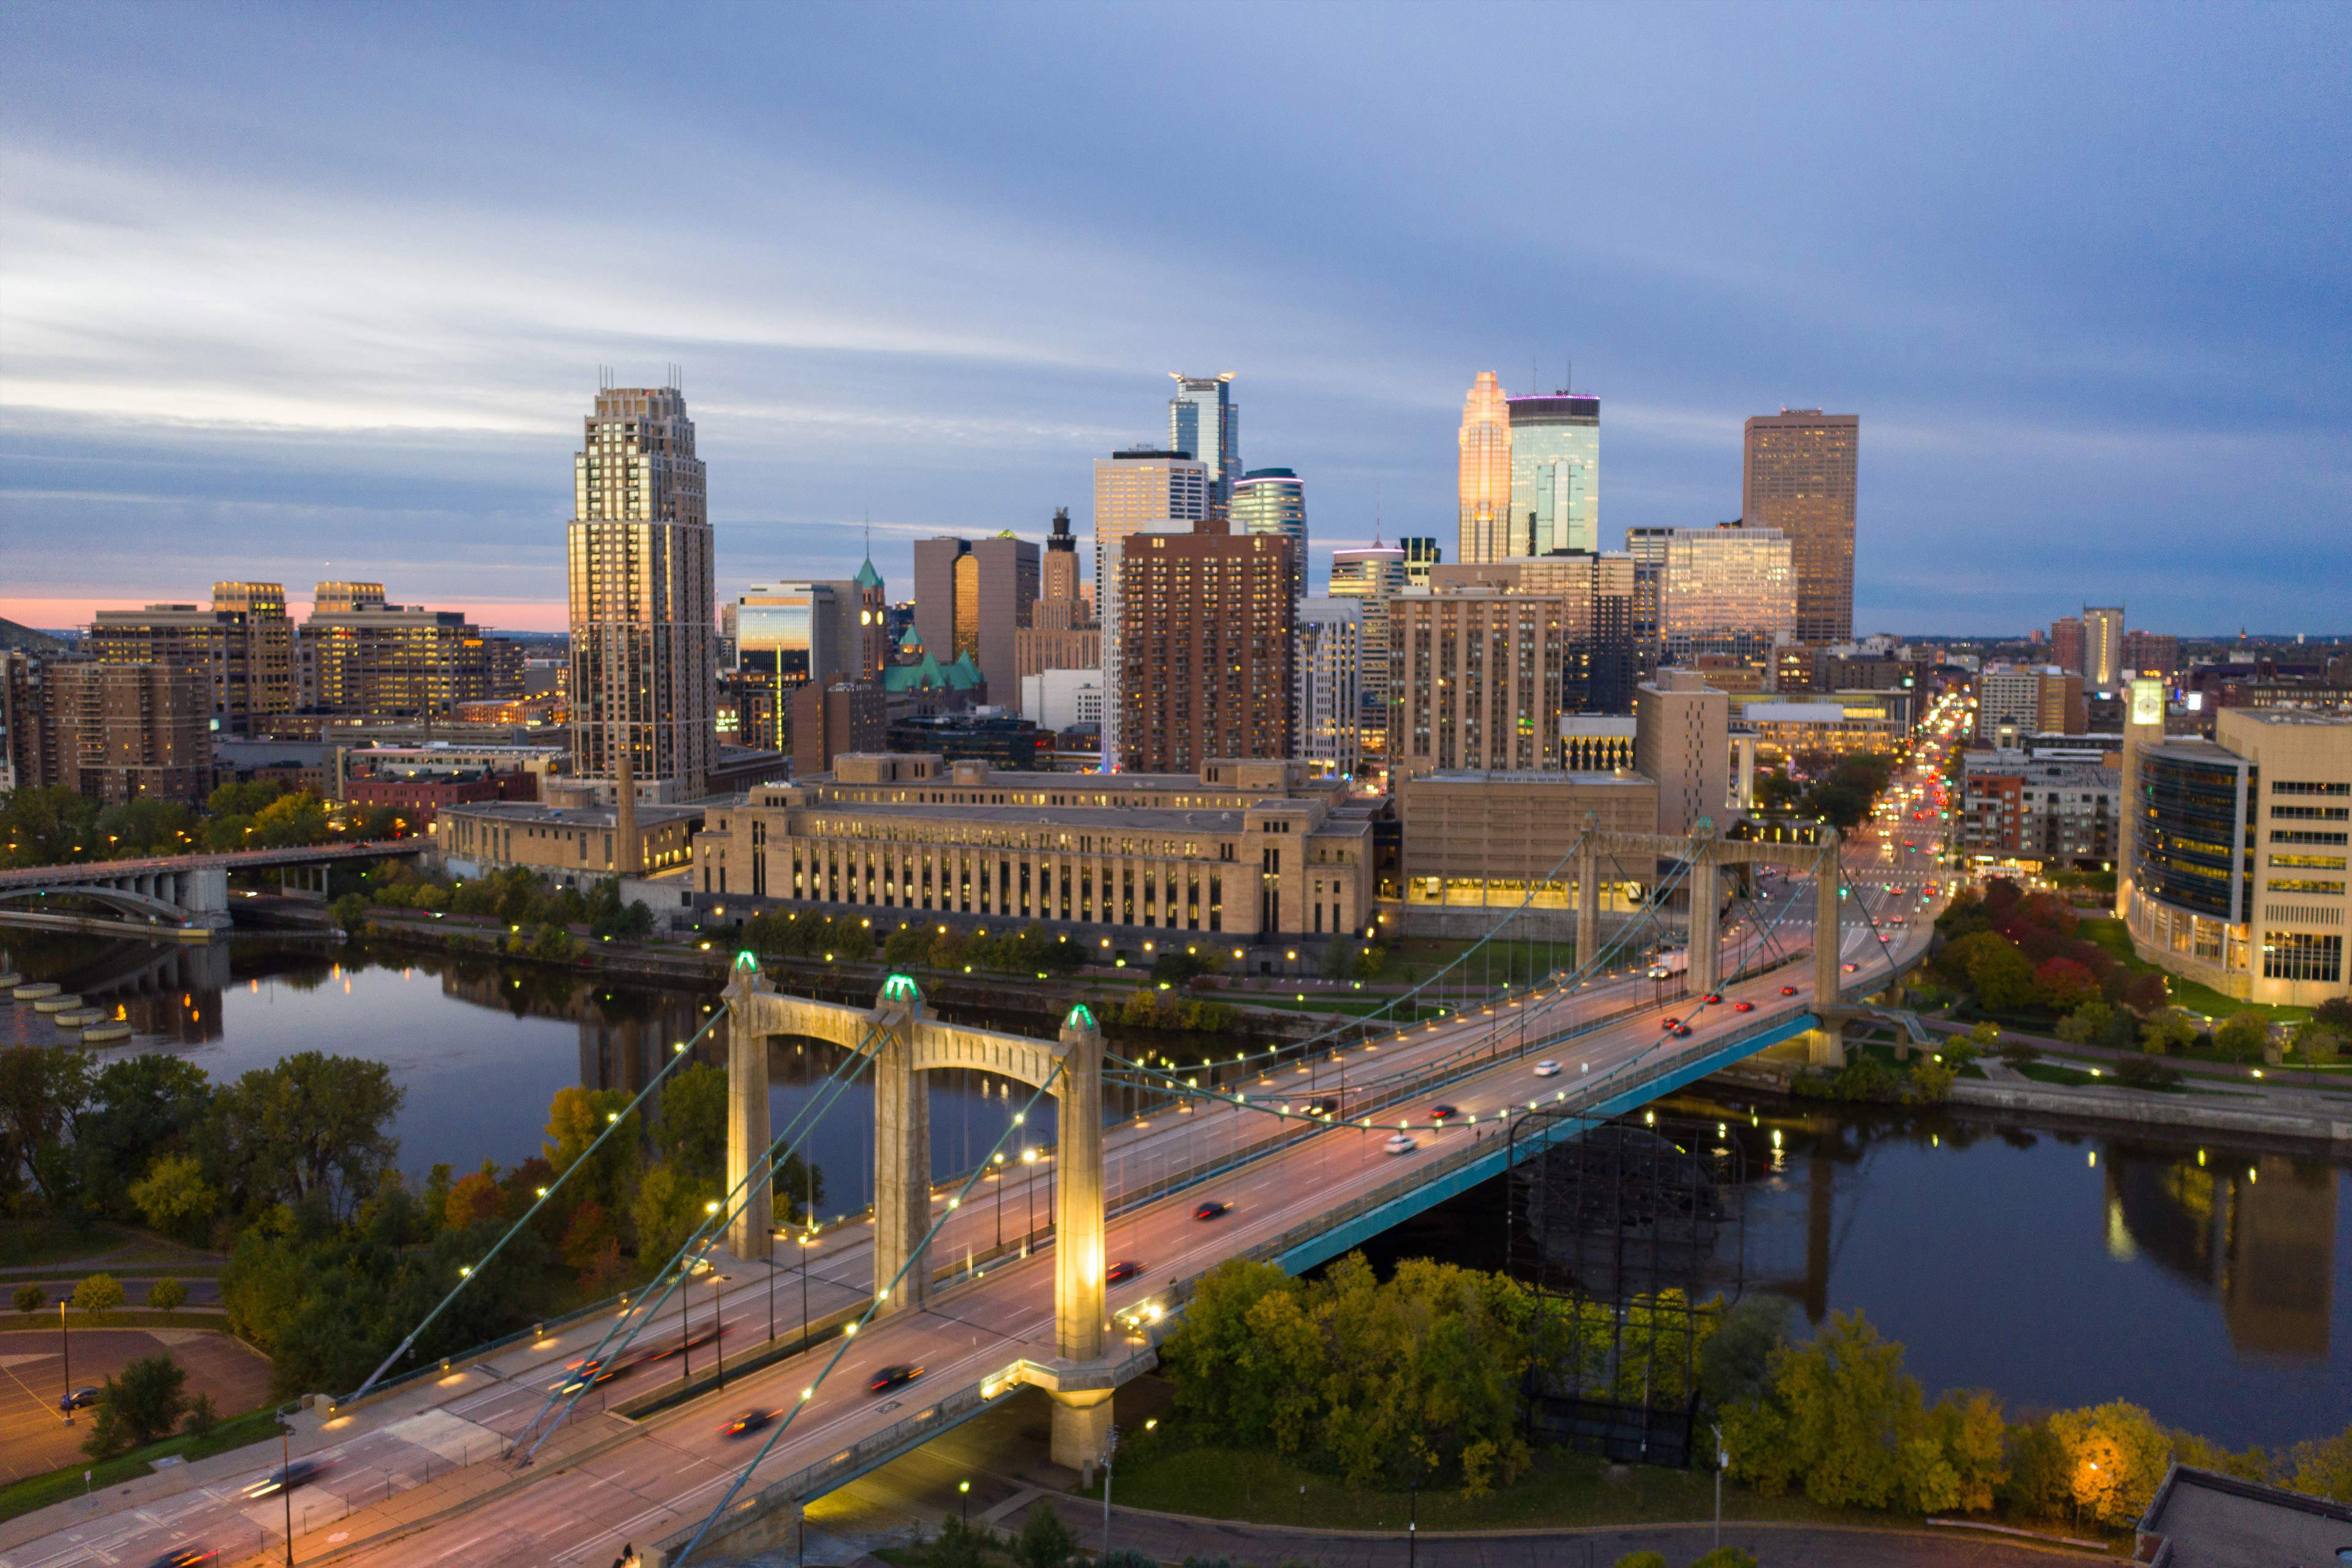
(2208, 1280)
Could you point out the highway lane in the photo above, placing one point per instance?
(1278, 1191)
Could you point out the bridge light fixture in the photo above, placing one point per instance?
(849, 1328)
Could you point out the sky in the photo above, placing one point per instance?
(305, 292)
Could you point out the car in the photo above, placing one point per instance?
(1440, 1112)
(1851, 968)
(1403, 1143)
(80, 1399)
(285, 1480)
(187, 1557)
(1711, 998)
(1788, 991)
(1547, 1069)
(1673, 1023)
(1743, 1006)
(1682, 1031)
(1212, 1209)
(1122, 1271)
(749, 1422)
(1327, 1106)
(897, 1375)
(1907, 844)
(589, 1373)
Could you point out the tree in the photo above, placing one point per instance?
(1642, 1559)
(1044, 1542)
(668, 1209)
(2115, 1455)
(31, 1299)
(137, 1409)
(576, 1117)
(2004, 980)
(692, 1128)
(476, 1197)
(2242, 1036)
(167, 1295)
(350, 913)
(903, 949)
(310, 1126)
(1725, 1557)
(202, 1417)
(174, 1195)
(589, 1240)
(2323, 1467)
(1969, 1431)
(290, 820)
(98, 1295)
(140, 1108)
(961, 1545)
(48, 825)
(146, 826)
(1850, 1405)
(43, 1089)
(1734, 1362)
(2087, 1024)
(2317, 1042)
(2168, 1031)
(2063, 983)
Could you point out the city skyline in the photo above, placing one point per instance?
(266, 375)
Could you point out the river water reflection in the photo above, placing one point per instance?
(2208, 1280)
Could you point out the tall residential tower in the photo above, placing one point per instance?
(639, 564)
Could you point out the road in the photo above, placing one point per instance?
(668, 1470)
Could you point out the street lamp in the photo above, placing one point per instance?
(1029, 1197)
(965, 1488)
(1000, 1201)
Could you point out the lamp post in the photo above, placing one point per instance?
(1110, 1447)
(808, 1239)
(1029, 1198)
(964, 1488)
(1721, 1459)
(65, 1333)
(999, 1200)
(286, 1480)
(718, 1306)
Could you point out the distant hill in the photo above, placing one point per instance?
(26, 639)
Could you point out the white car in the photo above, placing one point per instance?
(1403, 1143)
(1547, 1069)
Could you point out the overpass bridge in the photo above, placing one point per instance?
(921, 1282)
(183, 896)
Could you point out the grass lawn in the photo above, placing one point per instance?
(45, 1242)
(2116, 937)
(1414, 959)
(58, 1486)
(1561, 1489)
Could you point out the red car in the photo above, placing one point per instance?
(1673, 1023)
(1711, 998)
(1121, 1272)
(1743, 1006)
(1852, 967)
(1682, 1031)
(1788, 991)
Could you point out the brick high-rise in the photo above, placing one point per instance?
(1204, 648)
(1798, 475)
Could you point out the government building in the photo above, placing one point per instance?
(1260, 852)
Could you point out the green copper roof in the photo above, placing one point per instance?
(932, 676)
(911, 639)
(866, 576)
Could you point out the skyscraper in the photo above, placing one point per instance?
(1599, 660)
(1326, 685)
(1474, 681)
(2103, 646)
(1204, 649)
(1798, 475)
(1647, 546)
(1555, 473)
(1141, 490)
(2066, 643)
(972, 596)
(642, 598)
(1372, 575)
(1058, 577)
(1204, 420)
(1483, 522)
(1274, 501)
(1420, 556)
(1729, 591)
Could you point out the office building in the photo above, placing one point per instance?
(1482, 839)
(1326, 685)
(2055, 815)
(270, 634)
(861, 638)
(2236, 850)
(2060, 710)
(1474, 681)
(120, 732)
(1682, 742)
(2009, 704)
(1137, 490)
(2066, 643)
(1003, 741)
(1204, 421)
(1830, 725)
(1596, 743)
(1482, 528)
(1372, 576)
(785, 637)
(1798, 475)
(1555, 474)
(367, 657)
(1598, 661)
(1059, 699)
(1647, 546)
(642, 597)
(1057, 572)
(1254, 851)
(1728, 591)
(1061, 635)
(1420, 556)
(2103, 647)
(972, 596)
(831, 718)
(25, 759)
(1273, 501)
(1202, 650)
(573, 846)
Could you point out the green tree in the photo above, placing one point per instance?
(1849, 1406)
(1725, 1557)
(2242, 1036)
(2315, 1042)
(146, 826)
(43, 1090)
(290, 820)
(692, 1127)
(905, 948)
(31, 1299)
(1645, 1559)
(2088, 1024)
(2321, 1467)
(1734, 1362)
(242, 799)
(143, 1404)
(2168, 1031)
(98, 1295)
(349, 912)
(48, 825)
(167, 1295)
(310, 1126)
(667, 1208)
(139, 1108)
(576, 1117)
(174, 1195)
(1044, 1542)
(961, 1545)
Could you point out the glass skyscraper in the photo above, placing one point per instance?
(1274, 501)
(1555, 474)
(1483, 522)
(1204, 420)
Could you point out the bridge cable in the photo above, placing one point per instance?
(918, 1253)
(613, 1122)
(647, 1305)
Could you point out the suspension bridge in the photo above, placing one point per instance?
(533, 1450)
